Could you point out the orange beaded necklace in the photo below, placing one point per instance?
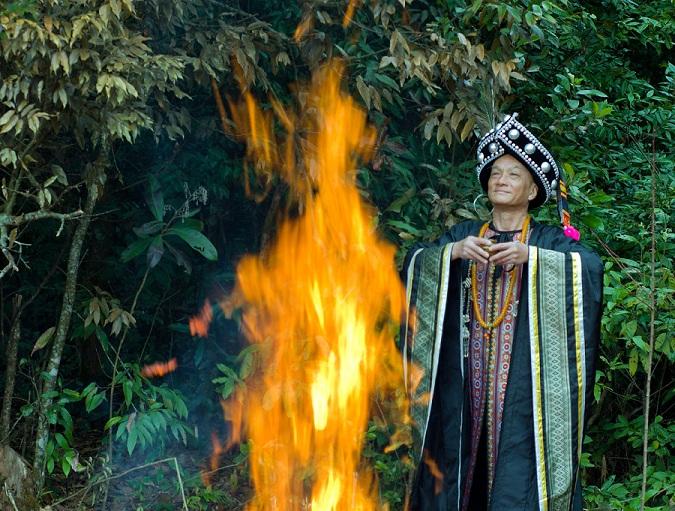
(509, 293)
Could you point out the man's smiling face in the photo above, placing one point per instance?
(510, 184)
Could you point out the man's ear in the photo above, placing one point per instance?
(533, 192)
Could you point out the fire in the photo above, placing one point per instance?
(435, 472)
(349, 14)
(322, 302)
(199, 325)
(159, 369)
(307, 22)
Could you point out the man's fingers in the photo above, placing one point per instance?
(500, 258)
(499, 253)
(479, 258)
(503, 253)
(474, 248)
(478, 254)
(481, 242)
(482, 255)
(500, 247)
(513, 253)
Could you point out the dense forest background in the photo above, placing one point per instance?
(126, 204)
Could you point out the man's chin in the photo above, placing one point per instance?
(500, 199)
(506, 204)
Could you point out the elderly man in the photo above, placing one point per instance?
(504, 321)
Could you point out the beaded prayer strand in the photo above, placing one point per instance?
(509, 292)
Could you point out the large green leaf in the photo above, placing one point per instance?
(156, 198)
(191, 223)
(135, 249)
(181, 258)
(197, 241)
(131, 439)
(44, 339)
(149, 228)
(127, 389)
(155, 251)
(92, 401)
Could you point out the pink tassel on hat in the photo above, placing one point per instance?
(571, 232)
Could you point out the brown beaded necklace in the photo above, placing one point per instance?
(509, 293)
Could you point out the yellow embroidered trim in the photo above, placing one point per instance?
(536, 381)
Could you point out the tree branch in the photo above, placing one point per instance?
(38, 215)
(16, 220)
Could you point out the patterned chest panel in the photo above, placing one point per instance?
(490, 360)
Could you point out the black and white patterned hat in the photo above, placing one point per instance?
(511, 137)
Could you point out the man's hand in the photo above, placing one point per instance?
(512, 252)
(472, 248)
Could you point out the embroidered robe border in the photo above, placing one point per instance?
(427, 291)
(558, 381)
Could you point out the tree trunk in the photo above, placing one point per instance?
(10, 375)
(52, 369)
(652, 322)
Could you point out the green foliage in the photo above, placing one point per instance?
(80, 74)
(625, 495)
(157, 234)
(230, 378)
(19, 7)
(205, 498)
(59, 446)
(149, 412)
(393, 468)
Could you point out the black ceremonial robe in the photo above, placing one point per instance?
(550, 381)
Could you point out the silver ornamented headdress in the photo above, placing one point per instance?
(511, 137)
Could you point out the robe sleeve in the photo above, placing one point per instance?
(564, 287)
(592, 268)
(427, 273)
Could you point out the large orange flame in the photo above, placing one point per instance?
(322, 303)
